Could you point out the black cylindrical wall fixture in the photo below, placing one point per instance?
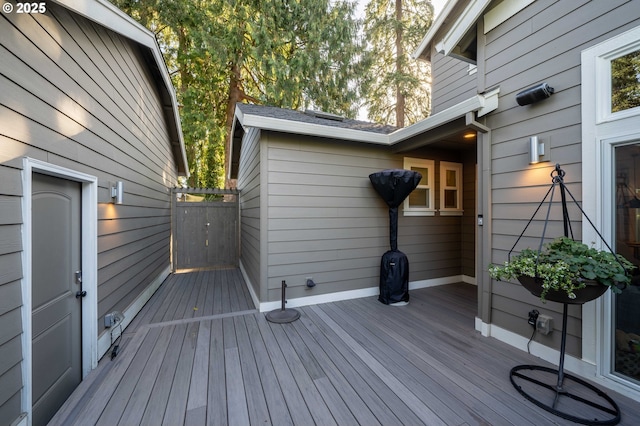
(534, 94)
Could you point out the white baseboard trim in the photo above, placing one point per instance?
(104, 341)
(469, 280)
(353, 294)
(21, 420)
(572, 364)
(247, 281)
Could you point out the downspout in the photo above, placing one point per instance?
(483, 234)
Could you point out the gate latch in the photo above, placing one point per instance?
(81, 293)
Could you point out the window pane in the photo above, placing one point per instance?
(425, 174)
(626, 321)
(451, 177)
(625, 82)
(450, 199)
(418, 198)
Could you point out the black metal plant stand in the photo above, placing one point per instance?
(579, 392)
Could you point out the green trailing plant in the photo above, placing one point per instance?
(566, 265)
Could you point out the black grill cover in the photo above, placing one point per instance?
(394, 186)
(394, 277)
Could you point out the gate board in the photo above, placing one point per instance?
(206, 232)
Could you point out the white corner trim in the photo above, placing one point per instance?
(104, 341)
(353, 294)
(502, 12)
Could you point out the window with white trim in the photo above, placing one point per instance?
(610, 82)
(421, 201)
(450, 189)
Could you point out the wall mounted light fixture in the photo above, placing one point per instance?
(534, 94)
(117, 192)
(536, 150)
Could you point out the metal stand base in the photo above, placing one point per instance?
(577, 392)
(283, 315)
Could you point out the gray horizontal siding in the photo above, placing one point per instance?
(79, 96)
(326, 221)
(542, 43)
(451, 82)
(249, 185)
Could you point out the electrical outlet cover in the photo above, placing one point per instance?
(544, 324)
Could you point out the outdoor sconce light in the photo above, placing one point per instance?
(117, 192)
(536, 150)
(534, 94)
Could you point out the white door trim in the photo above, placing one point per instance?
(602, 130)
(89, 268)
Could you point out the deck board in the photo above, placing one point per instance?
(200, 354)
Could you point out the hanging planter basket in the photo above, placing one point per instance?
(591, 291)
(565, 270)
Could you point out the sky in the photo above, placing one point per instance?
(437, 5)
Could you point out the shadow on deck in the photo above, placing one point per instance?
(198, 353)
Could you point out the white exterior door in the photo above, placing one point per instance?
(611, 197)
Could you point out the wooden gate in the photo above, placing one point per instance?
(205, 231)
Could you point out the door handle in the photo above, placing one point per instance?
(81, 294)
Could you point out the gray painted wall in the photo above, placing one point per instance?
(76, 95)
(249, 186)
(542, 43)
(452, 82)
(324, 220)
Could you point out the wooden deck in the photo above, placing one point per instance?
(200, 354)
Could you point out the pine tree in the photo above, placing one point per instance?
(287, 53)
(397, 88)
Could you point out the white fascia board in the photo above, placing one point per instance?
(483, 103)
(310, 129)
(461, 26)
(502, 12)
(437, 24)
(109, 16)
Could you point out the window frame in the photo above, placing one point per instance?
(422, 163)
(457, 167)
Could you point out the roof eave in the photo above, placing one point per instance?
(109, 16)
(463, 23)
(482, 104)
(423, 51)
(310, 129)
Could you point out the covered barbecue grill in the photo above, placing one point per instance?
(394, 186)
